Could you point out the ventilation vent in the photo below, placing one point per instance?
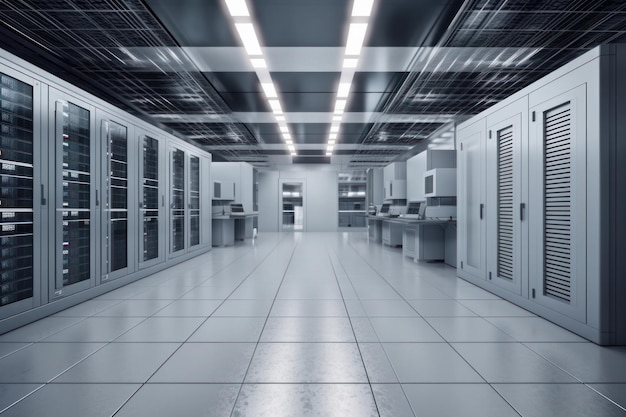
(557, 209)
(505, 203)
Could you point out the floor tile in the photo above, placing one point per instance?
(429, 363)
(391, 400)
(441, 308)
(39, 329)
(86, 309)
(363, 329)
(205, 293)
(310, 400)
(534, 329)
(510, 362)
(167, 400)
(376, 292)
(162, 329)
(207, 362)
(6, 348)
(404, 329)
(586, 361)
(308, 308)
(11, 393)
(422, 292)
(355, 308)
(557, 400)
(134, 308)
(614, 392)
(306, 363)
(41, 362)
(189, 308)
(229, 329)
(496, 308)
(244, 308)
(120, 363)
(388, 308)
(469, 293)
(436, 400)
(122, 293)
(377, 365)
(96, 329)
(161, 293)
(307, 329)
(93, 400)
(468, 329)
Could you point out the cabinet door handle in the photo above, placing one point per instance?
(482, 206)
(43, 196)
(522, 207)
(97, 199)
(163, 200)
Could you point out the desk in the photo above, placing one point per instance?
(223, 230)
(375, 228)
(243, 224)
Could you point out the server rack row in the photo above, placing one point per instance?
(84, 193)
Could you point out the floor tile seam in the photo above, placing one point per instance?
(553, 363)
(605, 397)
(369, 381)
(295, 246)
(531, 341)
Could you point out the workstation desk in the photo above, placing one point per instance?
(232, 226)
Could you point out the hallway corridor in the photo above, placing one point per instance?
(305, 324)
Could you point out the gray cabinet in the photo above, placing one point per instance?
(471, 210)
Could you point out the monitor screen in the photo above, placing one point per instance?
(385, 208)
(414, 208)
(236, 208)
(428, 184)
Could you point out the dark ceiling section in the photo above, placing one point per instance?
(552, 33)
(90, 43)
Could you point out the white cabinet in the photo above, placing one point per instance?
(506, 197)
(394, 176)
(235, 181)
(471, 210)
(395, 189)
(540, 224)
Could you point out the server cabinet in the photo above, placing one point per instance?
(471, 210)
(194, 201)
(558, 250)
(20, 198)
(505, 196)
(152, 200)
(73, 176)
(115, 201)
(177, 201)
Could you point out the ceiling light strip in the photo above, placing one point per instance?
(240, 13)
(357, 30)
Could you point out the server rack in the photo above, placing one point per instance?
(194, 201)
(152, 200)
(177, 201)
(115, 203)
(19, 208)
(74, 174)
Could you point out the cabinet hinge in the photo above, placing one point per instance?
(490, 275)
(533, 293)
(533, 116)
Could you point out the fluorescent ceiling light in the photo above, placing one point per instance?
(331, 142)
(329, 154)
(275, 105)
(340, 105)
(332, 136)
(362, 8)
(329, 148)
(289, 142)
(284, 129)
(269, 89)
(280, 118)
(356, 36)
(337, 118)
(344, 89)
(249, 38)
(258, 63)
(291, 148)
(350, 62)
(286, 136)
(239, 8)
(334, 129)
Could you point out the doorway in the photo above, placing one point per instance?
(292, 205)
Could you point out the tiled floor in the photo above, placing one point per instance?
(305, 325)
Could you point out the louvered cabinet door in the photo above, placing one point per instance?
(504, 234)
(558, 191)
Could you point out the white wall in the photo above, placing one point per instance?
(320, 200)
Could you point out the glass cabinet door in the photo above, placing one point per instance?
(73, 172)
(194, 201)
(149, 245)
(18, 289)
(177, 202)
(115, 199)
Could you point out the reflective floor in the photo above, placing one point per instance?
(305, 325)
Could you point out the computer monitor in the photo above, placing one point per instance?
(236, 208)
